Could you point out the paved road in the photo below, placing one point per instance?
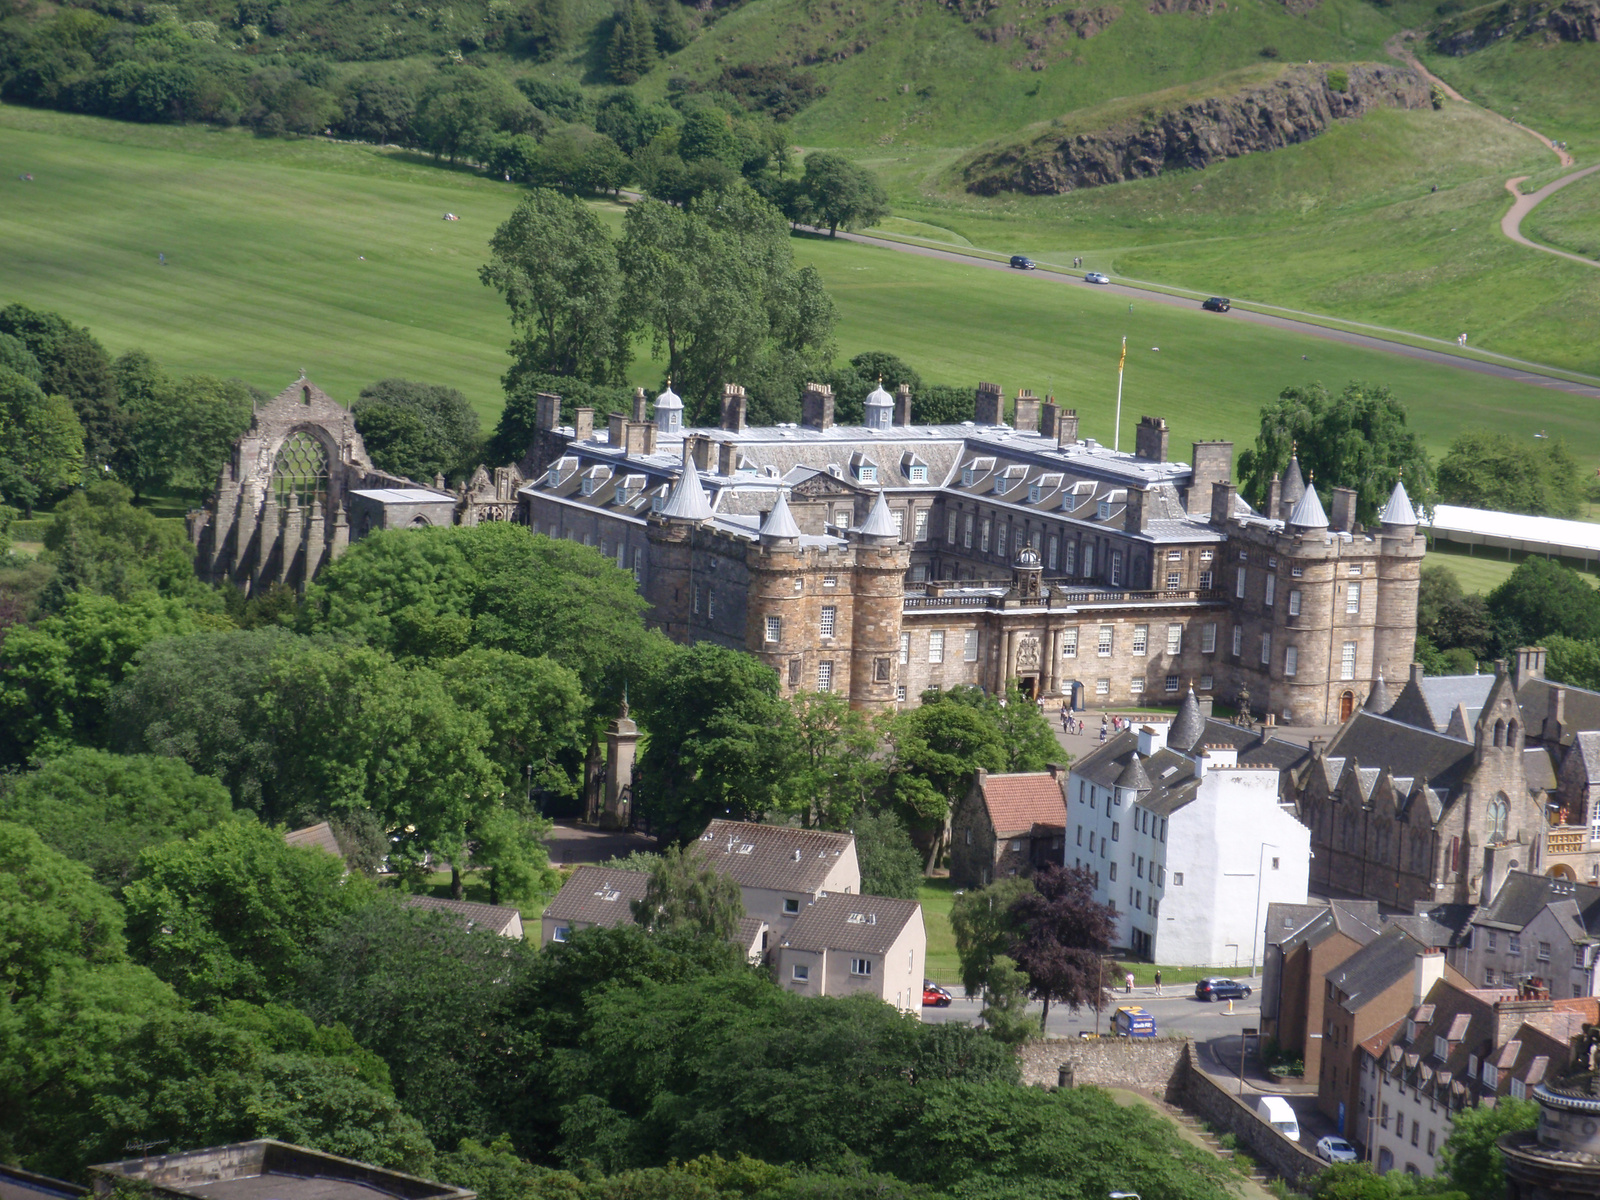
(1510, 371)
(1521, 206)
(1177, 1013)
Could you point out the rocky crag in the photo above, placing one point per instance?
(1569, 21)
(1295, 107)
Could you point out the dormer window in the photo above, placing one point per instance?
(1105, 510)
(868, 473)
(919, 474)
(1034, 492)
(586, 485)
(552, 477)
(966, 476)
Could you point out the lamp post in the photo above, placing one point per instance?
(1255, 934)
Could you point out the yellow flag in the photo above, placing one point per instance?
(1124, 357)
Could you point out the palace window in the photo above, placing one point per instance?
(824, 677)
(1291, 659)
(830, 616)
(1141, 638)
(1238, 583)
(1172, 580)
(1000, 538)
(1266, 648)
(1116, 568)
(1206, 581)
(1088, 560)
(1238, 640)
(919, 474)
(1174, 639)
(905, 647)
(1206, 683)
(1050, 554)
(966, 533)
(983, 541)
(1104, 647)
(1272, 590)
(936, 646)
(1172, 683)
(1347, 661)
(920, 526)
(1136, 685)
(969, 652)
(1070, 564)
(774, 629)
(1352, 598)
(1069, 642)
(1208, 638)
(1102, 687)
(1294, 603)
(950, 529)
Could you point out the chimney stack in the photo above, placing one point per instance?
(1222, 498)
(1213, 461)
(1555, 715)
(902, 404)
(1429, 971)
(1026, 417)
(816, 406)
(990, 406)
(1343, 516)
(583, 425)
(638, 404)
(1274, 494)
(1067, 427)
(617, 429)
(1150, 439)
(548, 411)
(733, 408)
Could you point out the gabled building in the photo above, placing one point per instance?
(1304, 943)
(1535, 934)
(1007, 825)
(1186, 833)
(490, 918)
(592, 896)
(780, 869)
(843, 945)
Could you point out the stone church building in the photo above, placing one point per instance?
(879, 560)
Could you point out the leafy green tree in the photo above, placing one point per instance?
(1357, 439)
(707, 132)
(432, 999)
(710, 712)
(461, 110)
(631, 52)
(1486, 469)
(1470, 1160)
(671, 27)
(986, 925)
(1064, 938)
(41, 442)
(534, 708)
(1437, 585)
(74, 365)
(1005, 1003)
(559, 99)
(936, 749)
(604, 167)
(180, 431)
(56, 676)
(56, 918)
(417, 429)
(1025, 736)
(832, 770)
(942, 404)
(1573, 662)
(839, 194)
(15, 356)
(378, 108)
(686, 897)
(890, 865)
(103, 809)
(546, 28)
(557, 269)
(630, 122)
(518, 424)
(1542, 597)
(100, 542)
(227, 915)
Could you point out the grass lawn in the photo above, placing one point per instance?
(284, 255)
(937, 895)
(1486, 568)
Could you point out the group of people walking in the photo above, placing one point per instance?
(1109, 723)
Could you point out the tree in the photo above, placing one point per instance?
(518, 426)
(418, 430)
(378, 109)
(890, 865)
(671, 28)
(227, 915)
(707, 132)
(942, 404)
(180, 431)
(985, 926)
(711, 713)
(41, 442)
(1357, 439)
(74, 365)
(1065, 936)
(546, 27)
(1573, 662)
(936, 748)
(1542, 597)
(839, 194)
(461, 109)
(557, 269)
(103, 809)
(1470, 1159)
(56, 918)
(534, 708)
(1486, 469)
(629, 121)
(631, 51)
(101, 543)
(603, 167)
(832, 769)
(1005, 1003)
(686, 897)
(1437, 585)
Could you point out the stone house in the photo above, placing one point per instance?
(843, 945)
(1458, 1049)
(591, 896)
(1007, 825)
(492, 918)
(779, 868)
(1186, 833)
(1534, 934)
(1304, 943)
(1364, 995)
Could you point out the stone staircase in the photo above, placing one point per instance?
(1214, 1144)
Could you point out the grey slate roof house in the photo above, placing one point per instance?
(493, 918)
(843, 945)
(592, 896)
(779, 869)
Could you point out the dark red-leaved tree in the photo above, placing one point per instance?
(1064, 937)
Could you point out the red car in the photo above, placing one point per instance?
(934, 996)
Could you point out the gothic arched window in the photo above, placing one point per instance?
(300, 470)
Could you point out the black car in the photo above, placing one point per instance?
(1023, 263)
(1221, 989)
(1217, 304)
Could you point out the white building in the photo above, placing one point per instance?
(843, 945)
(1184, 830)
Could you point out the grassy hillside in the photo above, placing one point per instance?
(1570, 219)
(265, 242)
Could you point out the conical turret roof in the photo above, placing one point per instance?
(1399, 511)
(687, 501)
(880, 521)
(1188, 726)
(1308, 512)
(1133, 775)
(1378, 699)
(1294, 485)
(668, 399)
(780, 522)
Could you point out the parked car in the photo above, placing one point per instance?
(1336, 1149)
(934, 996)
(1131, 1020)
(1221, 989)
(1023, 263)
(1096, 277)
(1275, 1111)
(1216, 304)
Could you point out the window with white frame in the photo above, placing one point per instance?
(1238, 640)
(1136, 685)
(1141, 638)
(1208, 638)
(824, 677)
(711, 604)
(983, 541)
(1519, 1091)
(1207, 580)
(1272, 590)
(920, 526)
(697, 599)
(562, 933)
(829, 581)
(1244, 554)
(1441, 1048)
(1069, 642)
(919, 474)
(900, 693)
(1354, 569)
(638, 564)
(950, 529)
(936, 646)
(969, 651)
(1000, 535)
(1103, 649)
(905, 647)
(1206, 683)
(1266, 648)
(1173, 579)
(1238, 582)
(1070, 563)
(1174, 639)
(1172, 683)
(899, 522)
(1347, 661)
(774, 629)
(1116, 568)
(1296, 571)
(801, 973)
(830, 617)
(1088, 559)
(1102, 687)
(861, 967)
(1352, 598)
(1051, 553)
(1294, 603)
(1291, 660)
(966, 533)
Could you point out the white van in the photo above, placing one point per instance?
(1275, 1111)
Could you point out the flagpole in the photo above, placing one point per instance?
(1116, 434)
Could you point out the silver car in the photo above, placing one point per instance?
(1336, 1150)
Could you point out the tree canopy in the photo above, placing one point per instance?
(417, 430)
(1488, 469)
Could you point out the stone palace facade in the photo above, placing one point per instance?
(882, 559)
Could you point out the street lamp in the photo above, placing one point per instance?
(1255, 934)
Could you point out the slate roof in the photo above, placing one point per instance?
(1378, 699)
(780, 521)
(1358, 920)
(1398, 511)
(598, 896)
(1420, 752)
(879, 522)
(318, 836)
(1582, 708)
(1020, 803)
(1294, 484)
(1376, 967)
(687, 501)
(1173, 782)
(1429, 702)
(773, 857)
(495, 918)
(1189, 725)
(1285, 922)
(17, 1184)
(851, 924)
(1523, 896)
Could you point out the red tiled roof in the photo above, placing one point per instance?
(1017, 803)
(1379, 1042)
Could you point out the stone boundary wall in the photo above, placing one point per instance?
(1168, 1065)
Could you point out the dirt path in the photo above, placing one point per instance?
(1521, 206)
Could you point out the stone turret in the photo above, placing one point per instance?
(877, 601)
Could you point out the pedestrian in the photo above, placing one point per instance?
(1102, 735)
(161, 256)
(1130, 983)
(1158, 982)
